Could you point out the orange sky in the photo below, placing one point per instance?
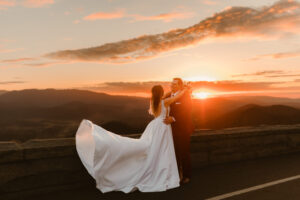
(224, 47)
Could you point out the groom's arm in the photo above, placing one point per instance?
(167, 95)
(186, 98)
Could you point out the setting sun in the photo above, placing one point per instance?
(201, 95)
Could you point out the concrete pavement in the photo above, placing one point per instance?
(208, 182)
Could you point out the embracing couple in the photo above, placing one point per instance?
(157, 161)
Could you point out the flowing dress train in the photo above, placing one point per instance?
(120, 163)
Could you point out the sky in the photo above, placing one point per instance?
(232, 47)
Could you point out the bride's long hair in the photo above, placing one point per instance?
(157, 93)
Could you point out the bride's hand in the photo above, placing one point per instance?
(168, 120)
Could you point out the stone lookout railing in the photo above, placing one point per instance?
(39, 166)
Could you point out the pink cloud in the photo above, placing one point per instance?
(17, 60)
(5, 3)
(105, 15)
(290, 54)
(166, 17)
(10, 50)
(76, 21)
(37, 3)
(209, 2)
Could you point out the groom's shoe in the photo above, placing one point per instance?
(185, 180)
(180, 182)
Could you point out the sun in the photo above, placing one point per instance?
(201, 95)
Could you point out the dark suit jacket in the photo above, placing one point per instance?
(181, 110)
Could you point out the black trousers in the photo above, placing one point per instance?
(182, 143)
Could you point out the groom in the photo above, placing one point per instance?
(182, 128)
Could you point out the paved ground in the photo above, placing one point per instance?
(216, 180)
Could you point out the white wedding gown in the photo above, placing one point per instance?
(120, 163)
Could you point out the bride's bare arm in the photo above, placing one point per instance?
(170, 100)
(150, 109)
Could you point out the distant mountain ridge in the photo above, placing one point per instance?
(254, 115)
(34, 113)
(73, 103)
(51, 113)
(2, 92)
(266, 100)
(55, 97)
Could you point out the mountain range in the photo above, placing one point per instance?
(2, 91)
(34, 113)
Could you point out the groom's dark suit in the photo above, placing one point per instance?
(182, 129)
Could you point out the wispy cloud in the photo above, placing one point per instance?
(37, 3)
(11, 82)
(105, 15)
(290, 54)
(209, 2)
(128, 87)
(10, 50)
(283, 75)
(166, 17)
(4, 4)
(271, 74)
(67, 13)
(18, 60)
(230, 22)
(145, 87)
(44, 64)
(260, 73)
(31, 62)
(236, 85)
(120, 13)
(77, 21)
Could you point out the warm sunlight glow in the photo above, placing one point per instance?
(200, 78)
(201, 95)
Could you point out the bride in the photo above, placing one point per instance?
(120, 163)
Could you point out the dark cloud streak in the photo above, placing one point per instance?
(290, 54)
(11, 82)
(260, 73)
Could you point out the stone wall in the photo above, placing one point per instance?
(40, 166)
